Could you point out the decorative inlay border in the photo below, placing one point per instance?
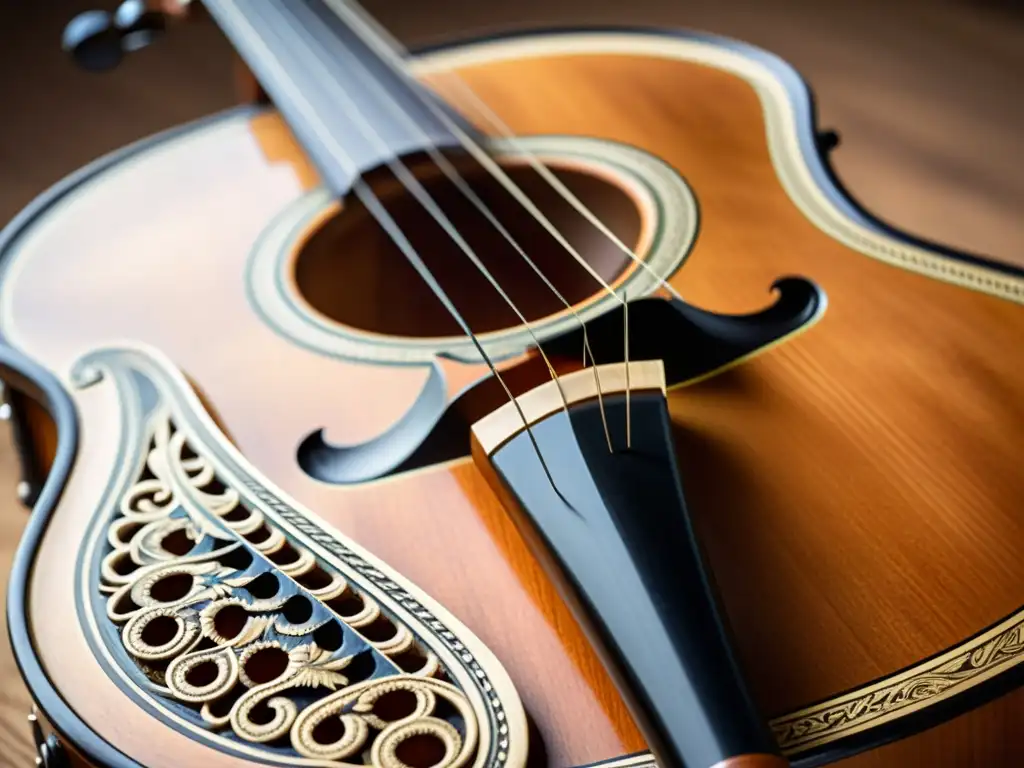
(187, 530)
(886, 708)
(789, 123)
(668, 209)
(904, 693)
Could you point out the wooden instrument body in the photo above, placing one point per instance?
(856, 486)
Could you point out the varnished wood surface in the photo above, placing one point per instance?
(956, 743)
(753, 761)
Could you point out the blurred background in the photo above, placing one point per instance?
(927, 96)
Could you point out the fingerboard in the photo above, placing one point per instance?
(346, 95)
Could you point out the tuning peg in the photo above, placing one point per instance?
(138, 25)
(98, 40)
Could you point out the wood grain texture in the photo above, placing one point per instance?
(958, 743)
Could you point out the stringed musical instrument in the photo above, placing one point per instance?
(536, 400)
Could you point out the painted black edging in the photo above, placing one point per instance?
(59, 405)
(25, 447)
(57, 402)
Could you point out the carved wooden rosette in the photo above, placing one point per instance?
(236, 616)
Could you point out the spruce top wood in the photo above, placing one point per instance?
(837, 418)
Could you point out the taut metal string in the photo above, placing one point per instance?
(391, 51)
(411, 183)
(373, 204)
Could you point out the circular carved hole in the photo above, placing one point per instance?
(298, 609)
(125, 604)
(127, 532)
(258, 536)
(214, 487)
(261, 714)
(286, 555)
(329, 636)
(223, 705)
(329, 731)
(230, 620)
(239, 558)
(361, 667)
(379, 630)
(264, 586)
(350, 270)
(202, 674)
(420, 751)
(177, 542)
(171, 588)
(266, 664)
(238, 514)
(316, 578)
(124, 565)
(159, 631)
(395, 705)
(411, 660)
(348, 605)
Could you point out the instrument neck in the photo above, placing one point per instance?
(344, 91)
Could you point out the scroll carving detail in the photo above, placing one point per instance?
(226, 615)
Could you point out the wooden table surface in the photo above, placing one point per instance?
(926, 96)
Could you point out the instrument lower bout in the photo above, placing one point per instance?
(311, 521)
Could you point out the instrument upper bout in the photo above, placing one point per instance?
(831, 477)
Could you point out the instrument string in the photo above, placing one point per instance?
(374, 205)
(395, 53)
(392, 52)
(411, 183)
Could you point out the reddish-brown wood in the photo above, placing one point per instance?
(753, 761)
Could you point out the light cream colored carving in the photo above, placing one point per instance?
(168, 603)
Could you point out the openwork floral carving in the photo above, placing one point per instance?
(227, 616)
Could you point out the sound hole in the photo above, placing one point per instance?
(298, 609)
(159, 631)
(379, 630)
(316, 578)
(264, 586)
(420, 751)
(177, 542)
(171, 588)
(202, 674)
(266, 664)
(329, 731)
(351, 271)
(395, 705)
(230, 620)
(124, 565)
(348, 605)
